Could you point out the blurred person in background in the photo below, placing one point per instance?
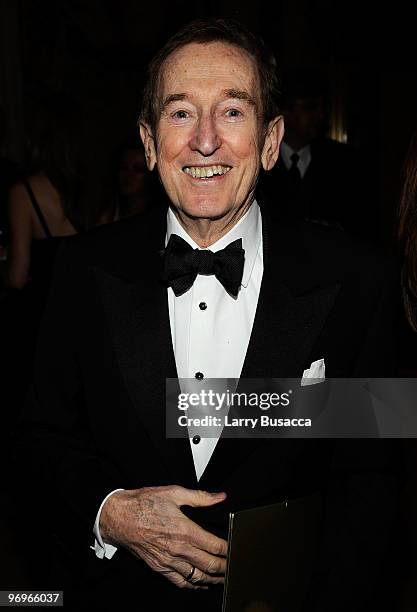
(407, 243)
(132, 181)
(51, 201)
(407, 246)
(408, 233)
(319, 179)
(45, 205)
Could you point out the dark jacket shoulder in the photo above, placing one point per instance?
(119, 246)
(324, 254)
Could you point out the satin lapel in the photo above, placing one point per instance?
(138, 318)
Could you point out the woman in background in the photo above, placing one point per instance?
(408, 234)
(38, 219)
(42, 210)
(52, 202)
(47, 204)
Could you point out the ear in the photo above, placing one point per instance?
(274, 134)
(149, 144)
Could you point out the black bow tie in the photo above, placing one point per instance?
(182, 263)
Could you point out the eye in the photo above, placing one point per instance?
(233, 113)
(180, 114)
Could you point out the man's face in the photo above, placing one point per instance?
(305, 118)
(210, 139)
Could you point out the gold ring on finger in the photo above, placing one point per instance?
(191, 574)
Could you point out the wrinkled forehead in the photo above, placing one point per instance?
(208, 68)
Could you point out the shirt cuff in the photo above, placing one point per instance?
(102, 549)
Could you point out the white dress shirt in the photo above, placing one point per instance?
(210, 329)
(304, 155)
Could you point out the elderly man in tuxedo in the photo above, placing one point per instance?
(207, 289)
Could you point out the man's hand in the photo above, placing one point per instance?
(150, 524)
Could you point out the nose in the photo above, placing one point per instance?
(205, 138)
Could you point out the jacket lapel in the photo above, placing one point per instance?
(138, 318)
(293, 305)
(285, 329)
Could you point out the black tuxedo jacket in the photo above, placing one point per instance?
(95, 417)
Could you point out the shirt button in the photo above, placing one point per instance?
(202, 306)
(196, 439)
(199, 375)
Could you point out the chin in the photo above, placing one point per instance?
(205, 209)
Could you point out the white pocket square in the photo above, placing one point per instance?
(314, 374)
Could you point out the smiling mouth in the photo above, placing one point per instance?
(206, 172)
